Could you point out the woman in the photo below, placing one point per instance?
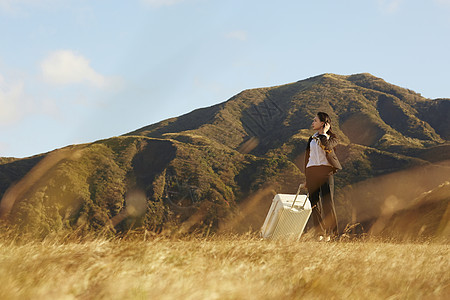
(320, 164)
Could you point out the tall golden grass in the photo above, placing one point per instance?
(221, 267)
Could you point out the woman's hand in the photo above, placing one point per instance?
(325, 128)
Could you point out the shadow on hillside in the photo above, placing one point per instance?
(150, 161)
(38, 168)
(16, 170)
(376, 202)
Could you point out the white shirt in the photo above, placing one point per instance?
(317, 156)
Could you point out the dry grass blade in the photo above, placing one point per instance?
(232, 267)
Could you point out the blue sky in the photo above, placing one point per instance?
(76, 71)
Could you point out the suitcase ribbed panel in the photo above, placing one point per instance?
(284, 222)
(291, 223)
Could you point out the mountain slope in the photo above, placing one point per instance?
(219, 167)
(366, 111)
(428, 217)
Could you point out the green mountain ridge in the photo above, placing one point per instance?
(217, 168)
(390, 113)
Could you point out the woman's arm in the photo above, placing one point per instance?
(328, 144)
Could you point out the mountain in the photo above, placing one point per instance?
(217, 168)
(426, 218)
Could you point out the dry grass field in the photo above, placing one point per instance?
(227, 267)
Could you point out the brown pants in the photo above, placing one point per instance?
(320, 183)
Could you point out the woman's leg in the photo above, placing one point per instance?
(328, 208)
(316, 212)
(314, 182)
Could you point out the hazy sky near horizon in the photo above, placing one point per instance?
(76, 71)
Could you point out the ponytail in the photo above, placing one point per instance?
(324, 117)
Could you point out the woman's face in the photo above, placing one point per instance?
(316, 124)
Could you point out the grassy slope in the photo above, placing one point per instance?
(389, 113)
(428, 215)
(223, 268)
(13, 169)
(376, 121)
(199, 158)
(138, 181)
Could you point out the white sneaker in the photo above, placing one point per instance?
(324, 238)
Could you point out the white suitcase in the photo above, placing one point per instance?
(287, 216)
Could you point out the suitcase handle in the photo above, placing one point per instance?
(296, 195)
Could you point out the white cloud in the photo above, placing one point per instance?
(6, 5)
(240, 35)
(66, 67)
(443, 2)
(159, 3)
(18, 6)
(390, 6)
(11, 6)
(12, 101)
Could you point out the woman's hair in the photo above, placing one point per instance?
(324, 117)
